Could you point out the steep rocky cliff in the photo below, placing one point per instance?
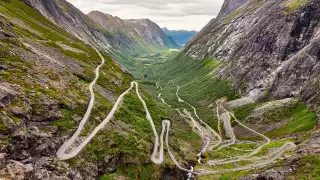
(71, 19)
(269, 49)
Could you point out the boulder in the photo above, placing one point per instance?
(16, 170)
(3, 68)
(7, 94)
(109, 164)
(3, 160)
(18, 112)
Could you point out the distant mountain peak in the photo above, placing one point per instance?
(165, 29)
(180, 36)
(133, 31)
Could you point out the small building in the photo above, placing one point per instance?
(222, 100)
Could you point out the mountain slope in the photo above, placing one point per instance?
(44, 77)
(180, 36)
(260, 54)
(71, 19)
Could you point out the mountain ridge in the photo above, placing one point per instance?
(145, 28)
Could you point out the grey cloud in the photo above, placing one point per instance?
(143, 2)
(152, 4)
(188, 7)
(201, 9)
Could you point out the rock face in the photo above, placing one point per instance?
(68, 17)
(267, 47)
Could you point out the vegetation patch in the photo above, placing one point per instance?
(300, 118)
(235, 150)
(64, 126)
(132, 172)
(233, 15)
(293, 5)
(272, 145)
(4, 52)
(309, 168)
(3, 125)
(224, 176)
(303, 120)
(244, 111)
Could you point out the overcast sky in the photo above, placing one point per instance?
(173, 14)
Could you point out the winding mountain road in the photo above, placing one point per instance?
(157, 155)
(66, 151)
(62, 152)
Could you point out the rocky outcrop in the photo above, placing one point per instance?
(8, 93)
(152, 32)
(268, 48)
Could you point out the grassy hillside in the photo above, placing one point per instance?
(199, 85)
